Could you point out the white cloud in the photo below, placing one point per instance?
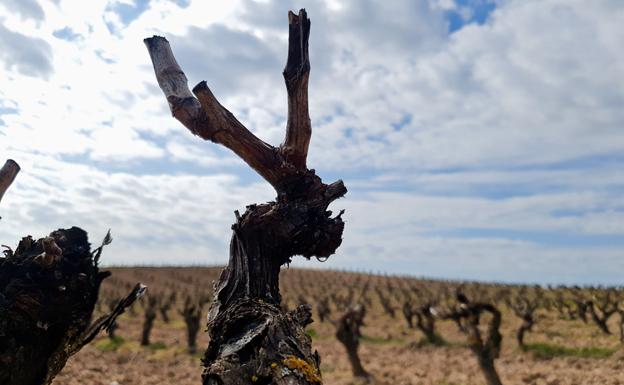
(27, 55)
(148, 214)
(27, 9)
(496, 127)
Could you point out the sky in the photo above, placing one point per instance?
(479, 139)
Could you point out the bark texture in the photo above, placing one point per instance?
(252, 338)
(48, 291)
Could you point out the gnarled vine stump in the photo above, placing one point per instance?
(191, 313)
(149, 316)
(252, 338)
(349, 334)
(524, 306)
(487, 349)
(48, 291)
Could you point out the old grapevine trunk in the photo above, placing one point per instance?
(349, 334)
(252, 338)
(487, 350)
(48, 291)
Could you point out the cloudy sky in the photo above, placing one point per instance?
(479, 139)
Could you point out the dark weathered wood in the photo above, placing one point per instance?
(112, 328)
(386, 303)
(164, 305)
(581, 302)
(192, 314)
(149, 316)
(425, 322)
(48, 290)
(602, 307)
(251, 337)
(524, 306)
(8, 172)
(487, 349)
(108, 322)
(296, 75)
(349, 334)
(323, 309)
(408, 312)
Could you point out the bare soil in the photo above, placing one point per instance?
(390, 351)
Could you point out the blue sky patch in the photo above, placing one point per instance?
(469, 11)
(405, 120)
(6, 111)
(66, 34)
(182, 3)
(541, 237)
(128, 13)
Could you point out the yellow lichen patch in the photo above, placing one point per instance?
(273, 365)
(254, 378)
(303, 367)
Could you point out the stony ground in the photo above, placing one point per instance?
(390, 351)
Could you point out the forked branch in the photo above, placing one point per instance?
(252, 338)
(205, 117)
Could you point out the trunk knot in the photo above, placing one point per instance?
(302, 314)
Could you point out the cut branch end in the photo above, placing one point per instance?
(8, 172)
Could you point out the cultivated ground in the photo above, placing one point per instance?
(561, 351)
